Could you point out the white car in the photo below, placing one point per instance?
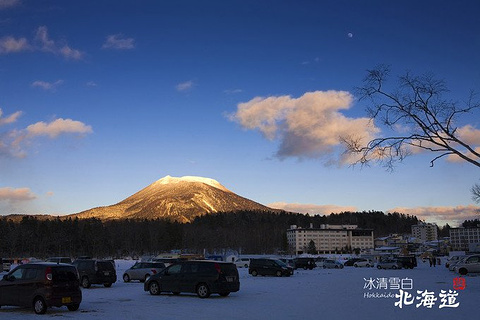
(470, 264)
(363, 263)
(242, 262)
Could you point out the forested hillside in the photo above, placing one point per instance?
(246, 231)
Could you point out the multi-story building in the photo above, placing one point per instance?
(329, 238)
(462, 239)
(425, 231)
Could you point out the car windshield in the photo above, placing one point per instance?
(280, 263)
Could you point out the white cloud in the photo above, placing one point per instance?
(13, 195)
(310, 126)
(57, 127)
(185, 86)
(311, 208)
(51, 86)
(4, 4)
(119, 42)
(10, 119)
(91, 84)
(46, 44)
(12, 45)
(441, 215)
(13, 142)
(232, 91)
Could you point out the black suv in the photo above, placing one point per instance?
(93, 271)
(266, 267)
(200, 277)
(408, 262)
(305, 263)
(41, 285)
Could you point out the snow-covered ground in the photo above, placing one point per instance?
(310, 294)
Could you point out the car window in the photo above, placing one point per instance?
(18, 274)
(174, 269)
(30, 274)
(190, 268)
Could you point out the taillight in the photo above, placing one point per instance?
(154, 271)
(217, 267)
(48, 274)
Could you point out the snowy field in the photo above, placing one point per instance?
(310, 294)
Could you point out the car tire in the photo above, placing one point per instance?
(368, 266)
(73, 307)
(107, 285)
(463, 271)
(203, 291)
(254, 273)
(278, 273)
(394, 267)
(126, 278)
(39, 305)
(378, 267)
(355, 265)
(154, 288)
(86, 282)
(246, 266)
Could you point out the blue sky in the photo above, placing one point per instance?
(101, 98)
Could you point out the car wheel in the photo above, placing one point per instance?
(254, 273)
(154, 288)
(394, 267)
(305, 268)
(336, 267)
(224, 294)
(324, 267)
(378, 267)
(355, 265)
(107, 285)
(73, 307)
(126, 278)
(203, 291)
(278, 273)
(462, 271)
(246, 266)
(86, 283)
(368, 266)
(39, 305)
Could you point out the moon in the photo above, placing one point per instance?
(350, 35)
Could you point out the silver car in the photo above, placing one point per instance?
(332, 264)
(142, 270)
(389, 264)
(470, 264)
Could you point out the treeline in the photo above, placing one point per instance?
(245, 231)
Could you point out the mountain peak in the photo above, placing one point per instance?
(208, 181)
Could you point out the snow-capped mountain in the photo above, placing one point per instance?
(179, 199)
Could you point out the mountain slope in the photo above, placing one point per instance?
(178, 199)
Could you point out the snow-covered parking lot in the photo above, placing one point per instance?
(349, 293)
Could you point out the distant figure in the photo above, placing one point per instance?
(434, 261)
(430, 260)
(439, 262)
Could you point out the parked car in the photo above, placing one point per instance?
(93, 271)
(453, 259)
(470, 264)
(351, 261)
(41, 285)
(242, 262)
(408, 262)
(142, 270)
(453, 263)
(200, 277)
(363, 263)
(389, 264)
(269, 267)
(60, 260)
(288, 261)
(166, 261)
(332, 264)
(305, 263)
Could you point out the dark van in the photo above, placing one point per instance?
(93, 271)
(41, 285)
(265, 267)
(200, 277)
(408, 262)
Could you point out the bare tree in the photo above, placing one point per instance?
(417, 117)
(476, 193)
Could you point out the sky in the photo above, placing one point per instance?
(99, 99)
